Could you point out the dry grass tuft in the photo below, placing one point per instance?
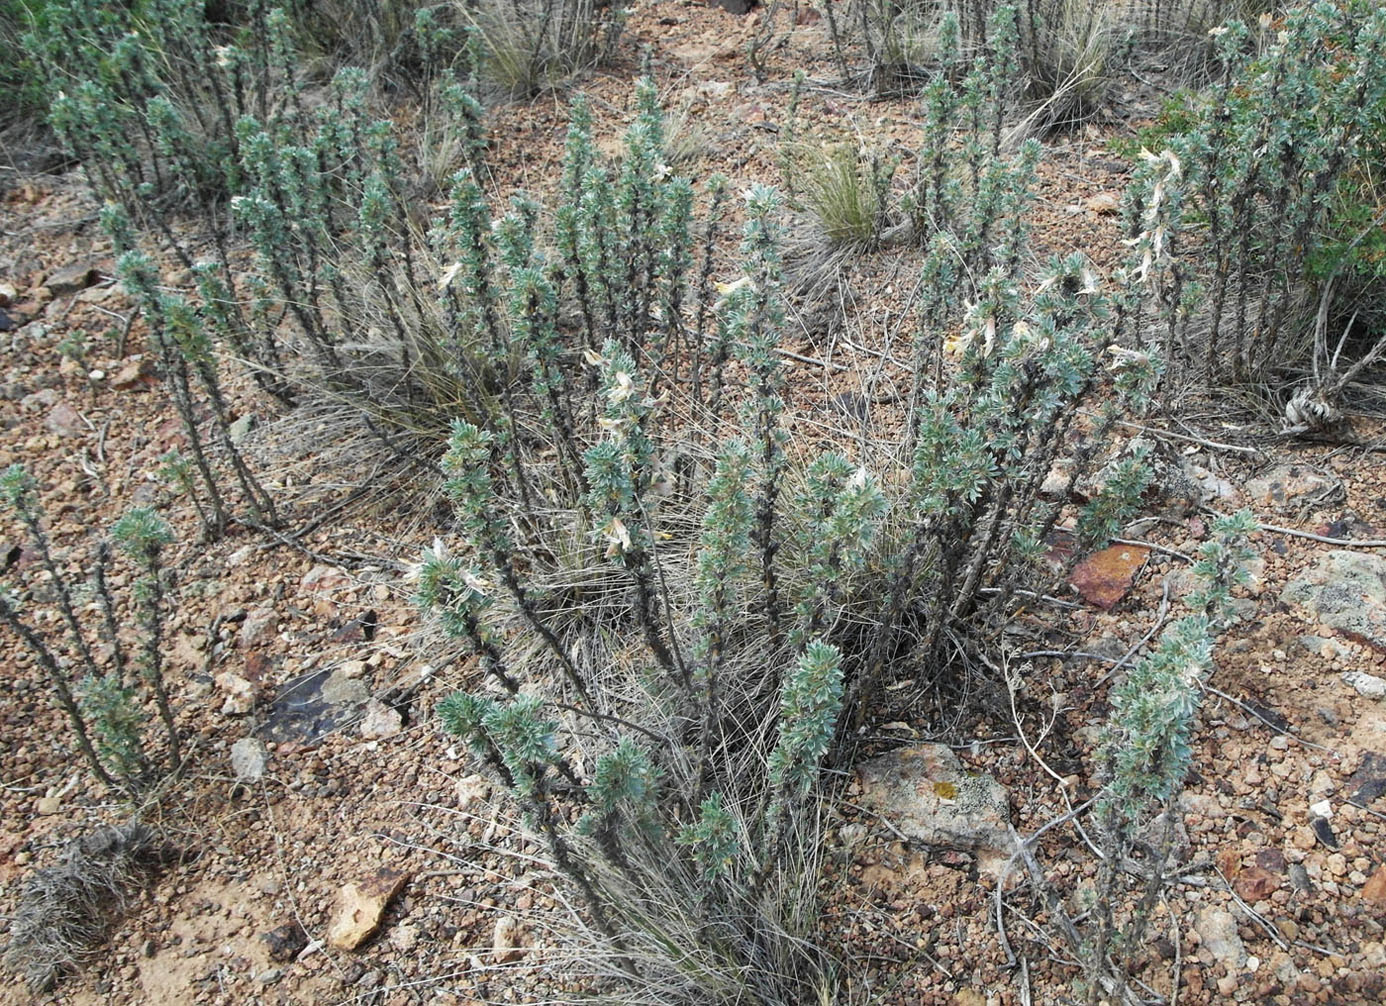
(64, 910)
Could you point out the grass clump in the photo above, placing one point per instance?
(847, 191)
(1067, 50)
(530, 46)
(64, 910)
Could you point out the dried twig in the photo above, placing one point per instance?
(1186, 438)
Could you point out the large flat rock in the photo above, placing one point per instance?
(1345, 591)
(926, 793)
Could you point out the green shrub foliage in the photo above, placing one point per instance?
(1275, 188)
(108, 724)
(675, 630)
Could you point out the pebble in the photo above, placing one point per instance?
(380, 720)
(249, 759)
(1369, 686)
(1217, 930)
(505, 940)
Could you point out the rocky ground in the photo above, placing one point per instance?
(334, 847)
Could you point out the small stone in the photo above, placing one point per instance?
(1344, 590)
(380, 721)
(342, 690)
(505, 940)
(135, 371)
(1214, 487)
(259, 628)
(1374, 890)
(361, 629)
(1256, 884)
(1290, 487)
(240, 428)
(1323, 832)
(269, 977)
(925, 792)
(47, 806)
(65, 421)
(1104, 577)
(324, 578)
(1369, 686)
(472, 790)
(285, 942)
(1217, 931)
(360, 907)
(44, 398)
(1323, 646)
(1369, 781)
(249, 759)
(1103, 204)
(404, 938)
(72, 278)
(240, 693)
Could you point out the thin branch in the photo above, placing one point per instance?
(1215, 445)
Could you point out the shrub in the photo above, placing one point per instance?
(324, 197)
(21, 96)
(321, 191)
(398, 42)
(1277, 170)
(898, 40)
(1146, 753)
(1184, 33)
(740, 607)
(110, 705)
(966, 183)
(1060, 52)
